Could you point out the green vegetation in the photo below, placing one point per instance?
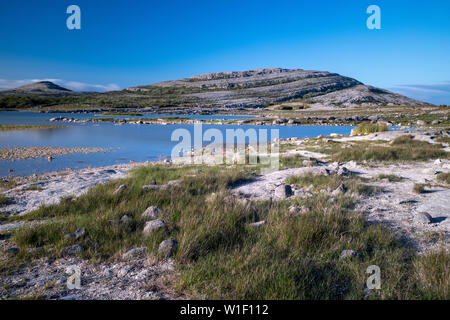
(366, 128)
(3, 200)
(403, 148)
(34, 188)
(444, 177)
(443, 139)
(133, 114)
(419, 188)
(7, 184)
(389, 177)
(296, 161)
(220, 256)
(13, 127)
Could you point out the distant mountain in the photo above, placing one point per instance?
(42, 88)
(263, 87)
(221, 91)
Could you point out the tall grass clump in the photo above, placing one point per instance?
(366, 128)
(444, 177)
(3, 200)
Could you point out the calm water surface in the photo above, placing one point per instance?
(126, 142)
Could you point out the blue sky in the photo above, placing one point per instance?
(134, 42)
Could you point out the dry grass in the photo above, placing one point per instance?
(220, 257)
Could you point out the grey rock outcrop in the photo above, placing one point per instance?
(256, 88)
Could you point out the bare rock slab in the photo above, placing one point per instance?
(424, 217)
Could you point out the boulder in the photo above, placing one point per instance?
(71, 250)
(76, 235)
(420, 122)
(339, 190)
(295, 210)
(283, 191)
(154, 226)
(348, 254)
(167, 247)
(125, 219)
(120, 189)
(256, 224)
(151, 213)
(343, 171)
(136, 253)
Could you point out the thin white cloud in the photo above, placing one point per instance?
(434, 93)
(6, 84)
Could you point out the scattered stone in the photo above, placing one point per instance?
(173, 182)
(283, 191)
(420, 122)
(12, 251)
(76, 235)
(407, 201)
(343, 171)
(151, 213)
(295, 211)
(72, 250)
(120, 189)
(154, 226)
(348, 254)
(125, 219)
(425, 217)
(155, 187)
(167, 247)
(136, 253)
(302, 194)
(307, 163)
(256, 224)
(339, 190)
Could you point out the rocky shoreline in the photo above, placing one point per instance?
(42, 152)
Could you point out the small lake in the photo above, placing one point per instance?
(125, 142)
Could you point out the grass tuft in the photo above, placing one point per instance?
(444, 177)
(366, 128)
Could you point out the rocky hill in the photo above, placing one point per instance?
(41, 88)
(263, 87)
